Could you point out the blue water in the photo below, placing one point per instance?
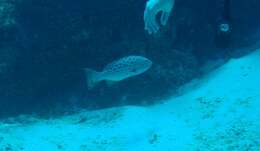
(47, 43)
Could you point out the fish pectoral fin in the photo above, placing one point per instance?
(110, 83)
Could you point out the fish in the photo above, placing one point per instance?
(118, 70)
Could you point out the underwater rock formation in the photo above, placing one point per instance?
(7, 17)
(7, 25)
(58, 40)
(48, 43)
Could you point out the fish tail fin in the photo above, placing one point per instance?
(92, 77)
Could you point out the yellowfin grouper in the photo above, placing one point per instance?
(118, 70)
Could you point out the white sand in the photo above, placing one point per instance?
(220, 112)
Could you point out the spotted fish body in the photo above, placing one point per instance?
(119, 70)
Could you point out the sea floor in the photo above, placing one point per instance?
(220, 112)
